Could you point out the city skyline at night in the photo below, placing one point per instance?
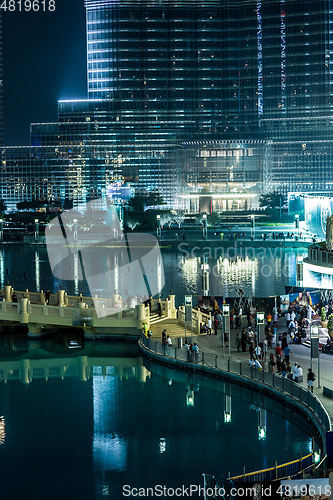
(217, 101)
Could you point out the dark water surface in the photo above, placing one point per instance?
(259, 272)
(80, 423)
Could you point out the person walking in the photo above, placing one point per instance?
(47, 296)
(238, 342)
(287, 317)
(257, 351)
(283, 368)
(248, 317)
(287, 353)
(271, 362)
(164, 337)
(209, 326)
(243, 340)
(311, 379)
(195, 349)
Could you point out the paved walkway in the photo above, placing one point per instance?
(301, 353)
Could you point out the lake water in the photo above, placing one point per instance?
(80, 421)
(259, 272)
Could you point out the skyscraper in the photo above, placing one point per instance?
(1, 85)
(209, 102)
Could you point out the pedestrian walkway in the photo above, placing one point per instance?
(212, 344)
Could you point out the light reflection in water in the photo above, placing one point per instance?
(37, 271)
(2, 268)
(190, 271)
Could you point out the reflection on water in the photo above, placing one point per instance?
(98, 417)
(259, 272)
(317, 280)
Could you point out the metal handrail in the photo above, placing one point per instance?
(232, 365)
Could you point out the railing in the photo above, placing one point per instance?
(291, 469)
(265, 377)
(216, 487)
(320, 256)
(230, 365)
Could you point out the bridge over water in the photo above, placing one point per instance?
(95, 317)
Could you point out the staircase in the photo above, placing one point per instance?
(155, 318)
(172, 327)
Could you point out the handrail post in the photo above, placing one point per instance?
(175, 352)
(203, 358)
(240, 368)
(276, 470)
(273, 379)
(228, 364)
(216, 361)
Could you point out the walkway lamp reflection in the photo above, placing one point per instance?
(159, 230)
(36, 229)
(253, 227)
(262, 416)
(205, 278)
(1, 229)
(227, 410)
(204, 229)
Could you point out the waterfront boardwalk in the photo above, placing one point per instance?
(212, 344)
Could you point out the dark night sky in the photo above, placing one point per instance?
(44, 59)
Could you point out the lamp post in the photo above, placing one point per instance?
(36, 229)
(158, 217)
(1, 229)
(260, 325)
(226, 324)
(314, 352)
(204, 229)
(253, 227)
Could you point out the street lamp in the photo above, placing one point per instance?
(260, 325)
(159, 232)
(226, 324)
(314, 352)
(36, 229)
(204, 229)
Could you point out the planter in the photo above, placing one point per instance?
(323, 324)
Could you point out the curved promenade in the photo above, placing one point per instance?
(293, 395)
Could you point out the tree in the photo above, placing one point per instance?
(179, 219)
(213, 219)
(166, 218)
(132, 223)
(272, 200)
(3, 206)
(140, 202)
(154, 199)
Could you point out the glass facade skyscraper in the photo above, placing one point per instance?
(213, 99)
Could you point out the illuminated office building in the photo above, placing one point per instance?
(209, 102)
(1, 84)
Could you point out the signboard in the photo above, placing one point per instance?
(188, 308)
